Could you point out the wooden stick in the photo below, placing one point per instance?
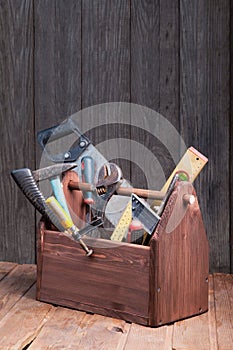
(123, 191)
(127, 191)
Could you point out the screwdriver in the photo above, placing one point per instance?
(67, 222)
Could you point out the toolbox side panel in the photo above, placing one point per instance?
(179, 264)
(113, 282)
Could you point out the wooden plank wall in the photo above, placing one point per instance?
(57, 57)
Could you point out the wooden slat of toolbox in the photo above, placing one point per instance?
(180, 255)
(113, 282)
(151, 285)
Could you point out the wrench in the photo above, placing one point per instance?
(109, 179)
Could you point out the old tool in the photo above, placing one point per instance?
(26, 182)
(67, 223)
(167, 195)
(122, 191)
(88, 174)
(122, 226)
(188, 169)
(135, 232)
(53, 174)
(109, 177)
(142, 211)
(66, 143)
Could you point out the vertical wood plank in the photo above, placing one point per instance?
(223, 287)
(145, 75)
(17, 128)
(105, 51)
(106, 69)
(231, 137)
(169, 89)
(57, 61)
(204, 86)
(145, 63)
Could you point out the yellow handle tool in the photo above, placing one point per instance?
(67, 222)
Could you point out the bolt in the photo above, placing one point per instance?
(67, 155)
(82, 144)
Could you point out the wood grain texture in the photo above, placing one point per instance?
(231, 137)
(106, 72)
(57, 62)
(17, 132)
(59, 56)
(204, 54)
(145, 73)
(223, 290)
(23, 322)
(105, 51)
(63, 327)
(5, 268)
(149, 338)
(15, 285)
(113, 282)
(29, 324)
(169, 87)
(179, 262)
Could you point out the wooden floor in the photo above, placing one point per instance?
(29, 324)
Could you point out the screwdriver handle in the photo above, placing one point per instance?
(67, 223)
(62, 216)
(87, 169)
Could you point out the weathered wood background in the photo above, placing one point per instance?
(57, 57)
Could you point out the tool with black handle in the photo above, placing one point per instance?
(26, 182)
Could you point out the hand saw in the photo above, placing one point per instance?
(66, 143)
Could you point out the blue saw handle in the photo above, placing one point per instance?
(87, 168)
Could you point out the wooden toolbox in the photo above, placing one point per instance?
(149, 285)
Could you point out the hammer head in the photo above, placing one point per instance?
(52, 171)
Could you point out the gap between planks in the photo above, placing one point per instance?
(43, 326)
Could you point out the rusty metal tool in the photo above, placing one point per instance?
(122, 191)
(109, 177)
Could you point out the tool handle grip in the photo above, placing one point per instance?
(27, 184)
(63, 218)
(87, 168)
(58, 193)
(67, 223)
(59, 131)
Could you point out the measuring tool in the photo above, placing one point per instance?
(190, 164)
(122, 226)
(142, 212)
(187, 169)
